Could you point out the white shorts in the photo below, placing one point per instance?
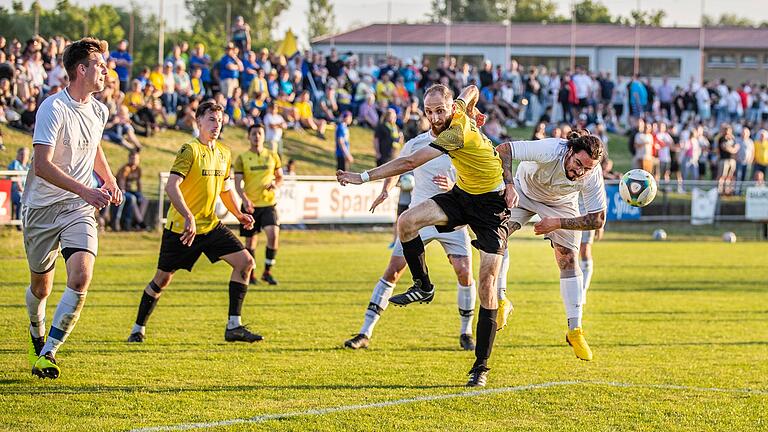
(455, 243)
(69, 224)
(526, 208)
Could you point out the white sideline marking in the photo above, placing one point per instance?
(493, 391)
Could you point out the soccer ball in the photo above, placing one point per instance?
(729, 237)
(407, 182)
(637, 188)
(220, 209)
(659, 235)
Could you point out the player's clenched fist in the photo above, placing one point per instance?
(345, 177)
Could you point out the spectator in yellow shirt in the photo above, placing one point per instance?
(305, 118)
(761, 154)
(385, 90)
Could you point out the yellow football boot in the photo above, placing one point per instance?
(575, 338)
(502, 313)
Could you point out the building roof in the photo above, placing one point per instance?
(534, 34)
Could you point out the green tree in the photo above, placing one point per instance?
(652, 18)
(589, 11)
(544, 11)
(210, 16)
(321, 19)
(728, 20)
(470, 10)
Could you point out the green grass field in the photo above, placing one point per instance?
(679, 331)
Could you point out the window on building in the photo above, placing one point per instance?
(748, 61)
(651, 67)
(721, 60)
(559, 64)
(475, 60)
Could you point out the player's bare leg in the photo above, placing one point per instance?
(411, 221)
(572, 291)
(250, 245)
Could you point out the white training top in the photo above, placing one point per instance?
(424, 187)
(541, 176)
(74, 129)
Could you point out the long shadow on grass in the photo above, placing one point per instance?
(206, 389)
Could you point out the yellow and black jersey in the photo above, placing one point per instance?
(478, 166)
(258, 170)
(204, 171)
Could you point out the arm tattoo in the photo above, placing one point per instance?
(587, 222)
(505, 154)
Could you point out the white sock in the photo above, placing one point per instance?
(234, 322)
(36, 311)
(64, 319)
(138, 329)
(466, 298)
(379, 302)
(501, 281)
(571, 291)
(586, 270)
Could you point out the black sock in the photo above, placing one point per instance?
(486, 333)
(147, 305)
(250, 251)
(237, 292)
(413, 251)
(269, 260)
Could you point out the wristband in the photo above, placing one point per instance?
(365, 177)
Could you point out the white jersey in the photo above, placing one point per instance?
(74, 130)
(424, 187)
(541, 176)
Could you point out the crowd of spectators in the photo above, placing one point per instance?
(710, 130)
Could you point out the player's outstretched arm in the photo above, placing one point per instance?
(470, 95)
(590, 221)
(394, 167)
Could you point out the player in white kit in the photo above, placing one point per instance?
(59, 200)
(432, 178)
(551, 174)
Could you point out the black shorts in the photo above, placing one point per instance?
(675, 165)
(401, 208)
(214, 244)
(487, 214)
(262, 217)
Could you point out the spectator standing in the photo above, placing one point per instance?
(241, 35)
(21, 163)
(386, 138)
(745, 155)
(761, 154)
(230, 68)
(343, 151)
(726, 168)
(134, 208)
(274, 125)
(202, 60)
(643, 158)
(123, 64)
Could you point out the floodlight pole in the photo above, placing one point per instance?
(389, 29)
(636, 65)
(701, 43)
(573, 36)
(161, 35)
(448, 33)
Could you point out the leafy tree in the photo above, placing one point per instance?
(652, 18)
(261, 15)
(589, 11)
(321, 18)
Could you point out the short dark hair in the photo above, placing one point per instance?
(581, 140)
(78, 52)
(206, 106)
(257, 125)
(444, 91)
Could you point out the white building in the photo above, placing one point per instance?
(679, 53)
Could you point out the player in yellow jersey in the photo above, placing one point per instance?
(199, 175)
(258, 173)
(477, 200)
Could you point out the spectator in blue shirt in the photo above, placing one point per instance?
(229, 70)
(250, 70)
(343, 153)
(123, 63)
(21, 163)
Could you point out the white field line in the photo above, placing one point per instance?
(467, 394)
